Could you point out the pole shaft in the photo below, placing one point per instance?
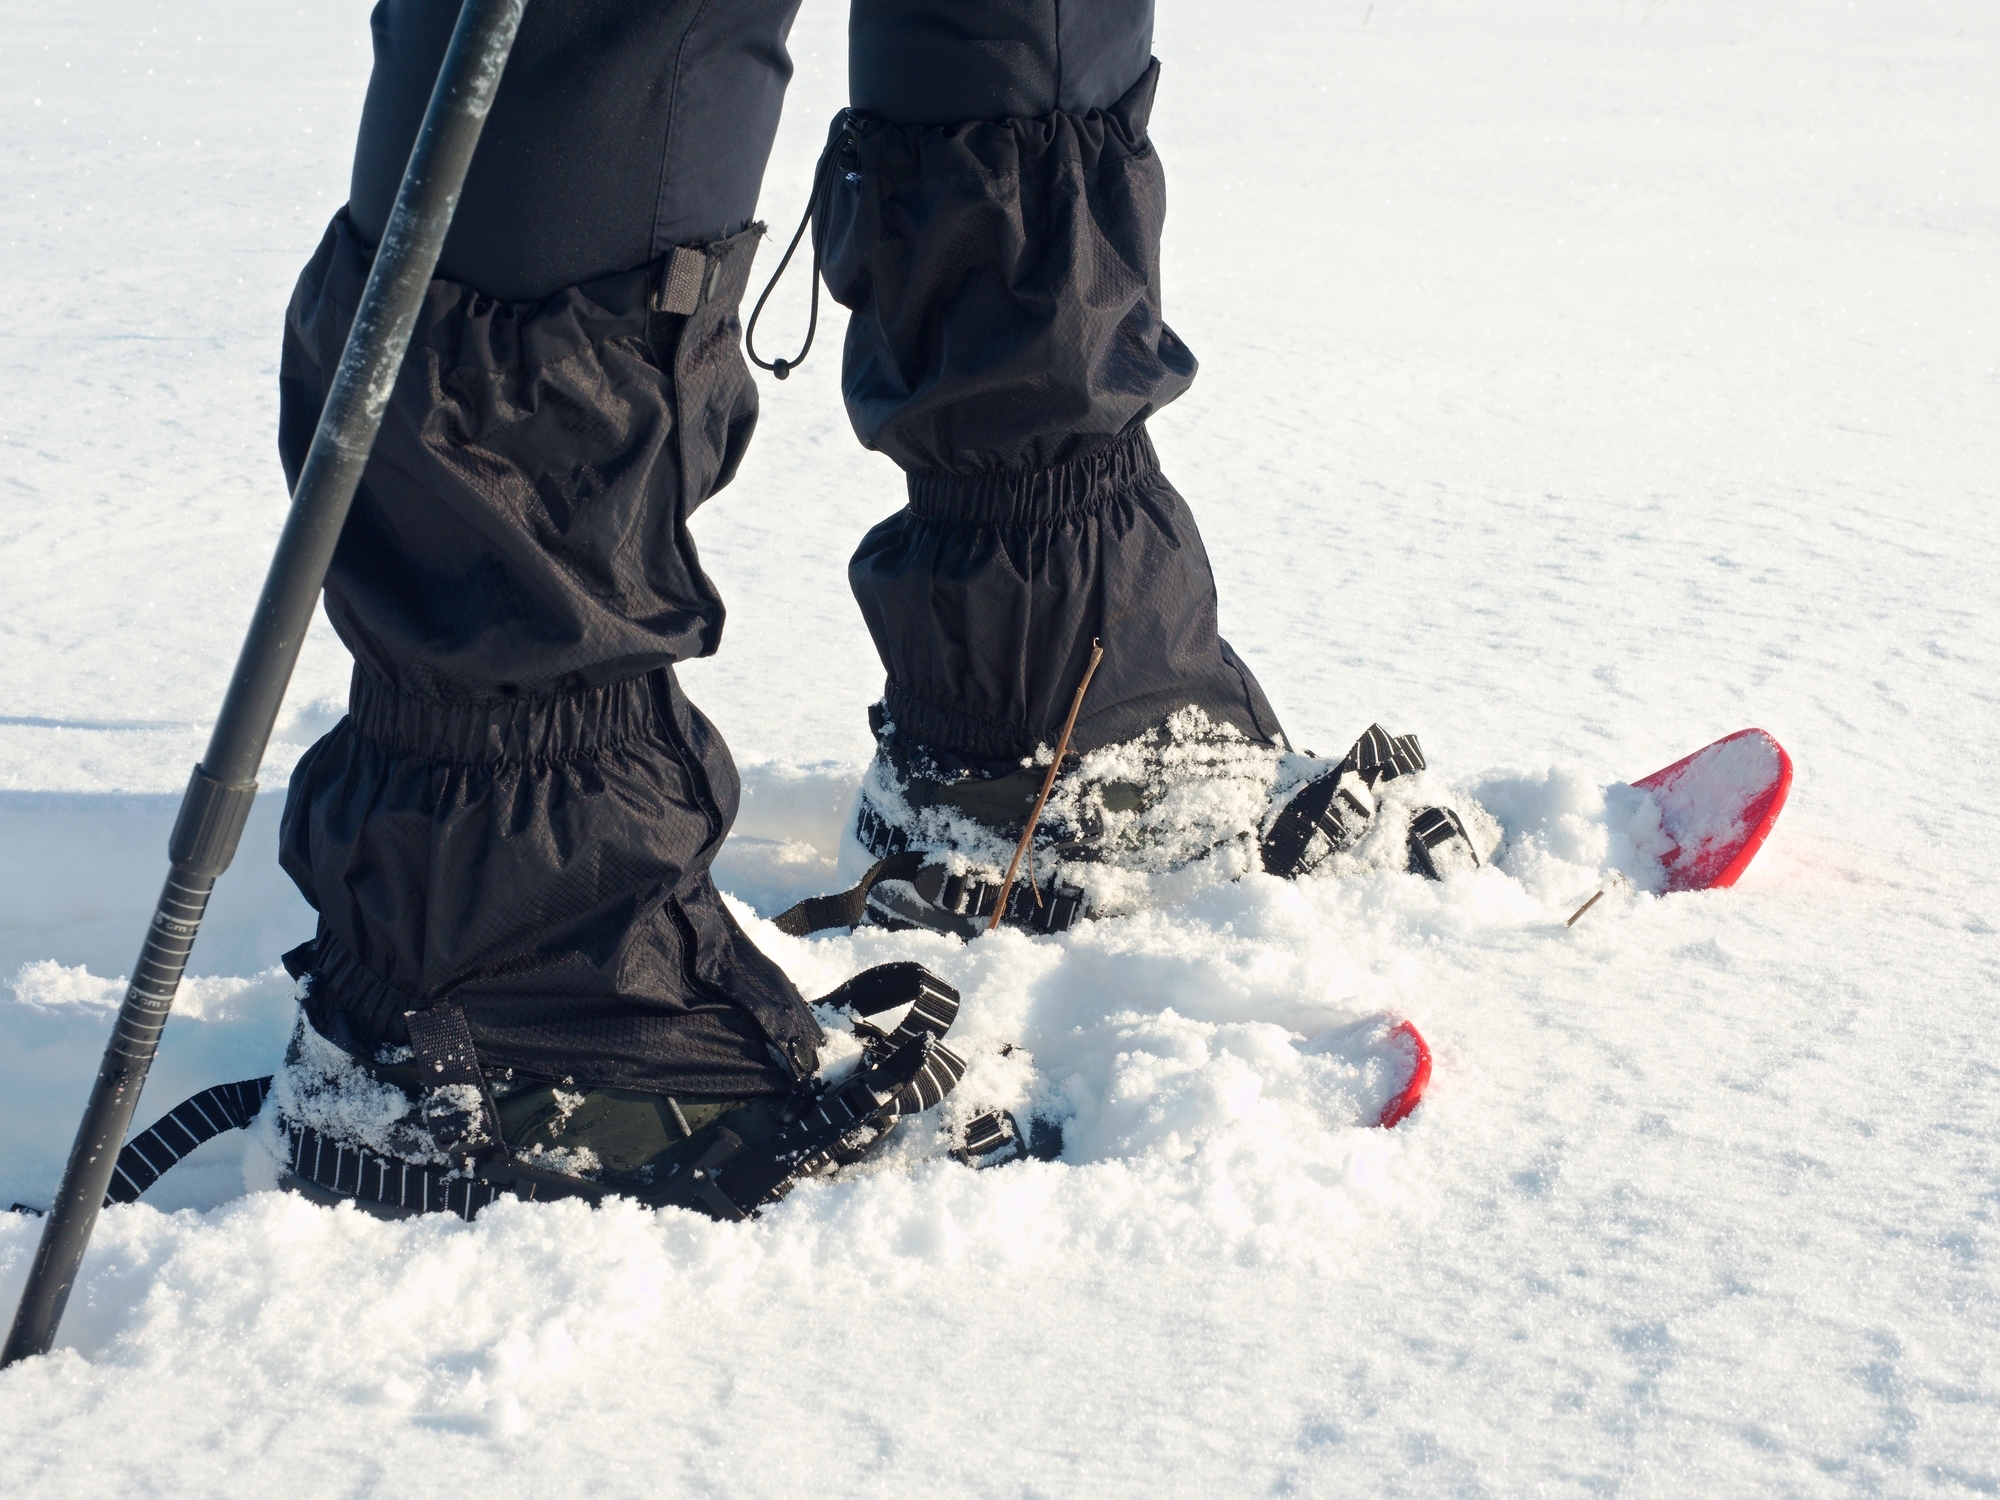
(224, 784)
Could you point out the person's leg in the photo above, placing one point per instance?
(518, 815)
(994, 224)
(621, 131)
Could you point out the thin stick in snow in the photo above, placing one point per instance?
(1584, 908)
(1048, 784)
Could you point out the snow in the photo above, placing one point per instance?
(1582, 381)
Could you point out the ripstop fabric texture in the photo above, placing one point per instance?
(1006, 348)
(520, 808)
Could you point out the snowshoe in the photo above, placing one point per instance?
(430, 1131)
(1128, 826)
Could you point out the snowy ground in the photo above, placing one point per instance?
(1581, 381)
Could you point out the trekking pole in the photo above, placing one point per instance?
(225, 782)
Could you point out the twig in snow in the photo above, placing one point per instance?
(1048, 784)
(1584, 908)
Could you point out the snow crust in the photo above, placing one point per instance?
(1581, 381)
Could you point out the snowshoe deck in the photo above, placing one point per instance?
(1718, 806)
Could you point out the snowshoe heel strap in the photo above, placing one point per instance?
(351, 1171)
(150, 1153)
(933, 1004)
(355, 1172)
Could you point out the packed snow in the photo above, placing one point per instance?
(1582, 380)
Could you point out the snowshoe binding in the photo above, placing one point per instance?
(1332, 811)
(427, 1129)
(1133, 825)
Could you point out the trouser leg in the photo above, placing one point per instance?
(620, 131)
(518, 814)
(994, 224)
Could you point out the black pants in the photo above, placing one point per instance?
(520, 811)
(626, 127)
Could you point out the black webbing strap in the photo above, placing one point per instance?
(733, 1181)
(718, 1203)
(1328, 804)
(227, 1106)
(908, 1081)
(992, 1140)
(933, 1004)
(845, 908)
(348, 1170)
(937, 1075)
(1325, 805)
(1381, 756)
(355, 1172)
(951, 903)
(1050, 908)
(910, 1068)
(1431, 827)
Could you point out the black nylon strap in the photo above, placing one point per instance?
(1325, 806)
(718, 1203)
(992, 1140)
(1052, 908)
(442, 1039)
(355, 1172)
(845, 908)
(1381, 756)
(151, 1153)
(1431, 827)
(953, 903)
(933, 1003)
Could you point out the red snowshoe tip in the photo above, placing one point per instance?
(1398, 1108)
(1718, 805)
